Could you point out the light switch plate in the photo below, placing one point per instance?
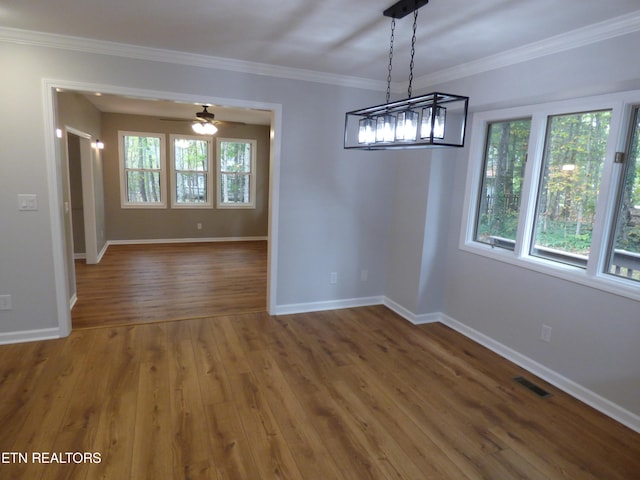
(27, 202)
(5, 302)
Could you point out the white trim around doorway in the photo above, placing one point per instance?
(54, 179)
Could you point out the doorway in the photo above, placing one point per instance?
(63, 258)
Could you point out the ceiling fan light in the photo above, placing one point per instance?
(204, 128)
(198, 127)
(209, 129)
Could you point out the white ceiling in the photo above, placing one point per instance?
(347, 38)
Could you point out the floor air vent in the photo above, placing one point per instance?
(541, 392)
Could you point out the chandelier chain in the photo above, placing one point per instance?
(393, 28)
(413, 50)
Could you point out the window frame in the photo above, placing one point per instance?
(482, 177)
(252, 174)
(124, 201)
(594, 275)
(174, 171)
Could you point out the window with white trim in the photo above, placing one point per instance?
(191, 183)
(142, 169)
(545, 190)
(573, 158)
(503, 172)
(236, 173)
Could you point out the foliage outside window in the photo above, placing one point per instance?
(570, 183)
(624, 257)
(544, 191)
(142, 169)
(236, 173)
(504, 162)
(190, 180)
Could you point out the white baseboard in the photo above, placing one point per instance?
(72, 301)
(408, 315)
(79, 256)
(30, 335)
(574, 389)
(102, 252)
(184, 240)
(328, 305)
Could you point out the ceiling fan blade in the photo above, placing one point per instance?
(176, 119)
(191, 120)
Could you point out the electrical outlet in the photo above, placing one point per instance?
(545, 334)
(364, 275)
(5, 302)
(333, 278)
(199, 226)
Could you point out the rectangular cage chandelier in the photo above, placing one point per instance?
(427, 121)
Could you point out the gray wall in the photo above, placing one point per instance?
(170, 223)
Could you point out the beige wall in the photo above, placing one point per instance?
(75, 111)
(170, 223)
(75, 187)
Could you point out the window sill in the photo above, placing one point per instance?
(602, 281)
(238, 207)
(195, 206)
(142, 206)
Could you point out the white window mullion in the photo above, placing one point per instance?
(531, 184)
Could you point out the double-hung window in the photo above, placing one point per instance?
(236, 173)
(191, 183)
(556, 188)
(142, 170)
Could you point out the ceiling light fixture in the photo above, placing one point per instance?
(431, 120)
(204, 122)
(204, 128)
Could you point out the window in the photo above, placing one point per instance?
(503, 172)
(544, 190)
(142, 173)
(624, 256)
(236, 173)
(190, 172)
(574, 155)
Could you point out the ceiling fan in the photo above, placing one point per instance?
(204, 122)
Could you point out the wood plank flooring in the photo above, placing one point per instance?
(158, 282)
(346, 394)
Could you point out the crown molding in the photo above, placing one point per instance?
(580, 37)
(101, 47)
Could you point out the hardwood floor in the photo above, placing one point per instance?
(159, 282)
(346, 394)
